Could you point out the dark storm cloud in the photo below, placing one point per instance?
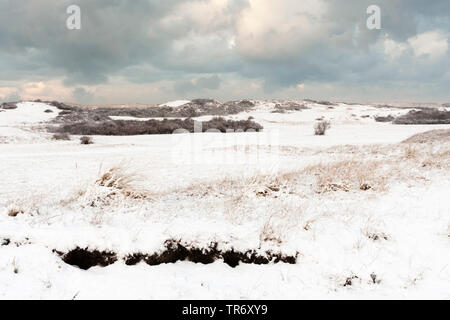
(146, 41)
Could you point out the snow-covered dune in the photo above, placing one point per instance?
(365, 215)
(175, 104)
(28, 113)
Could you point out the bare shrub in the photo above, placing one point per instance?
(61, 136)
(8, 106)
(320, 127)
(86, 140)
(166, 126)
(424, 116)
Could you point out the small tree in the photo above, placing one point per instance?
(321, 126)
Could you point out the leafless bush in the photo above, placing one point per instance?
(424, 116)
(321, 127)
(86, 140)
(8, 106)
(166, 126)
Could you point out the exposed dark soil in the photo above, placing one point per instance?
(86, 259)
(175, 251)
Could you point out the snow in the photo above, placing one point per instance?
(202, 189)
(175, 104)
(27, 113)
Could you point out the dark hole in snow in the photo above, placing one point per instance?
(175, 251)
(5, 242)
(85, 259)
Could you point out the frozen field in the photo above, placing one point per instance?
(365, 215)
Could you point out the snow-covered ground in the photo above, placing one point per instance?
(367, 216)
(174, 104)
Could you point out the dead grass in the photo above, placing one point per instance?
(411, 152)
(348, 176)
(439, 160)
(120, 178)
(116, 186)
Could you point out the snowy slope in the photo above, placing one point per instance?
(243, 191)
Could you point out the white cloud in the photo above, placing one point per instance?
(394, 49)
(433, 44)
(273, 29)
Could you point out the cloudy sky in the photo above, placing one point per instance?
(151, 51)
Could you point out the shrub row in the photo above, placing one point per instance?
(166, 126)
(424, 116)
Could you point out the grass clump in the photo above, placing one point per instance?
(347, 176)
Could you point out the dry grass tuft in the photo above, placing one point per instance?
(439, 160)
(121, 179)
(348, 175)
(115, 186)
(411, 152)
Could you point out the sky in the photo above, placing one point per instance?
(152, 51)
